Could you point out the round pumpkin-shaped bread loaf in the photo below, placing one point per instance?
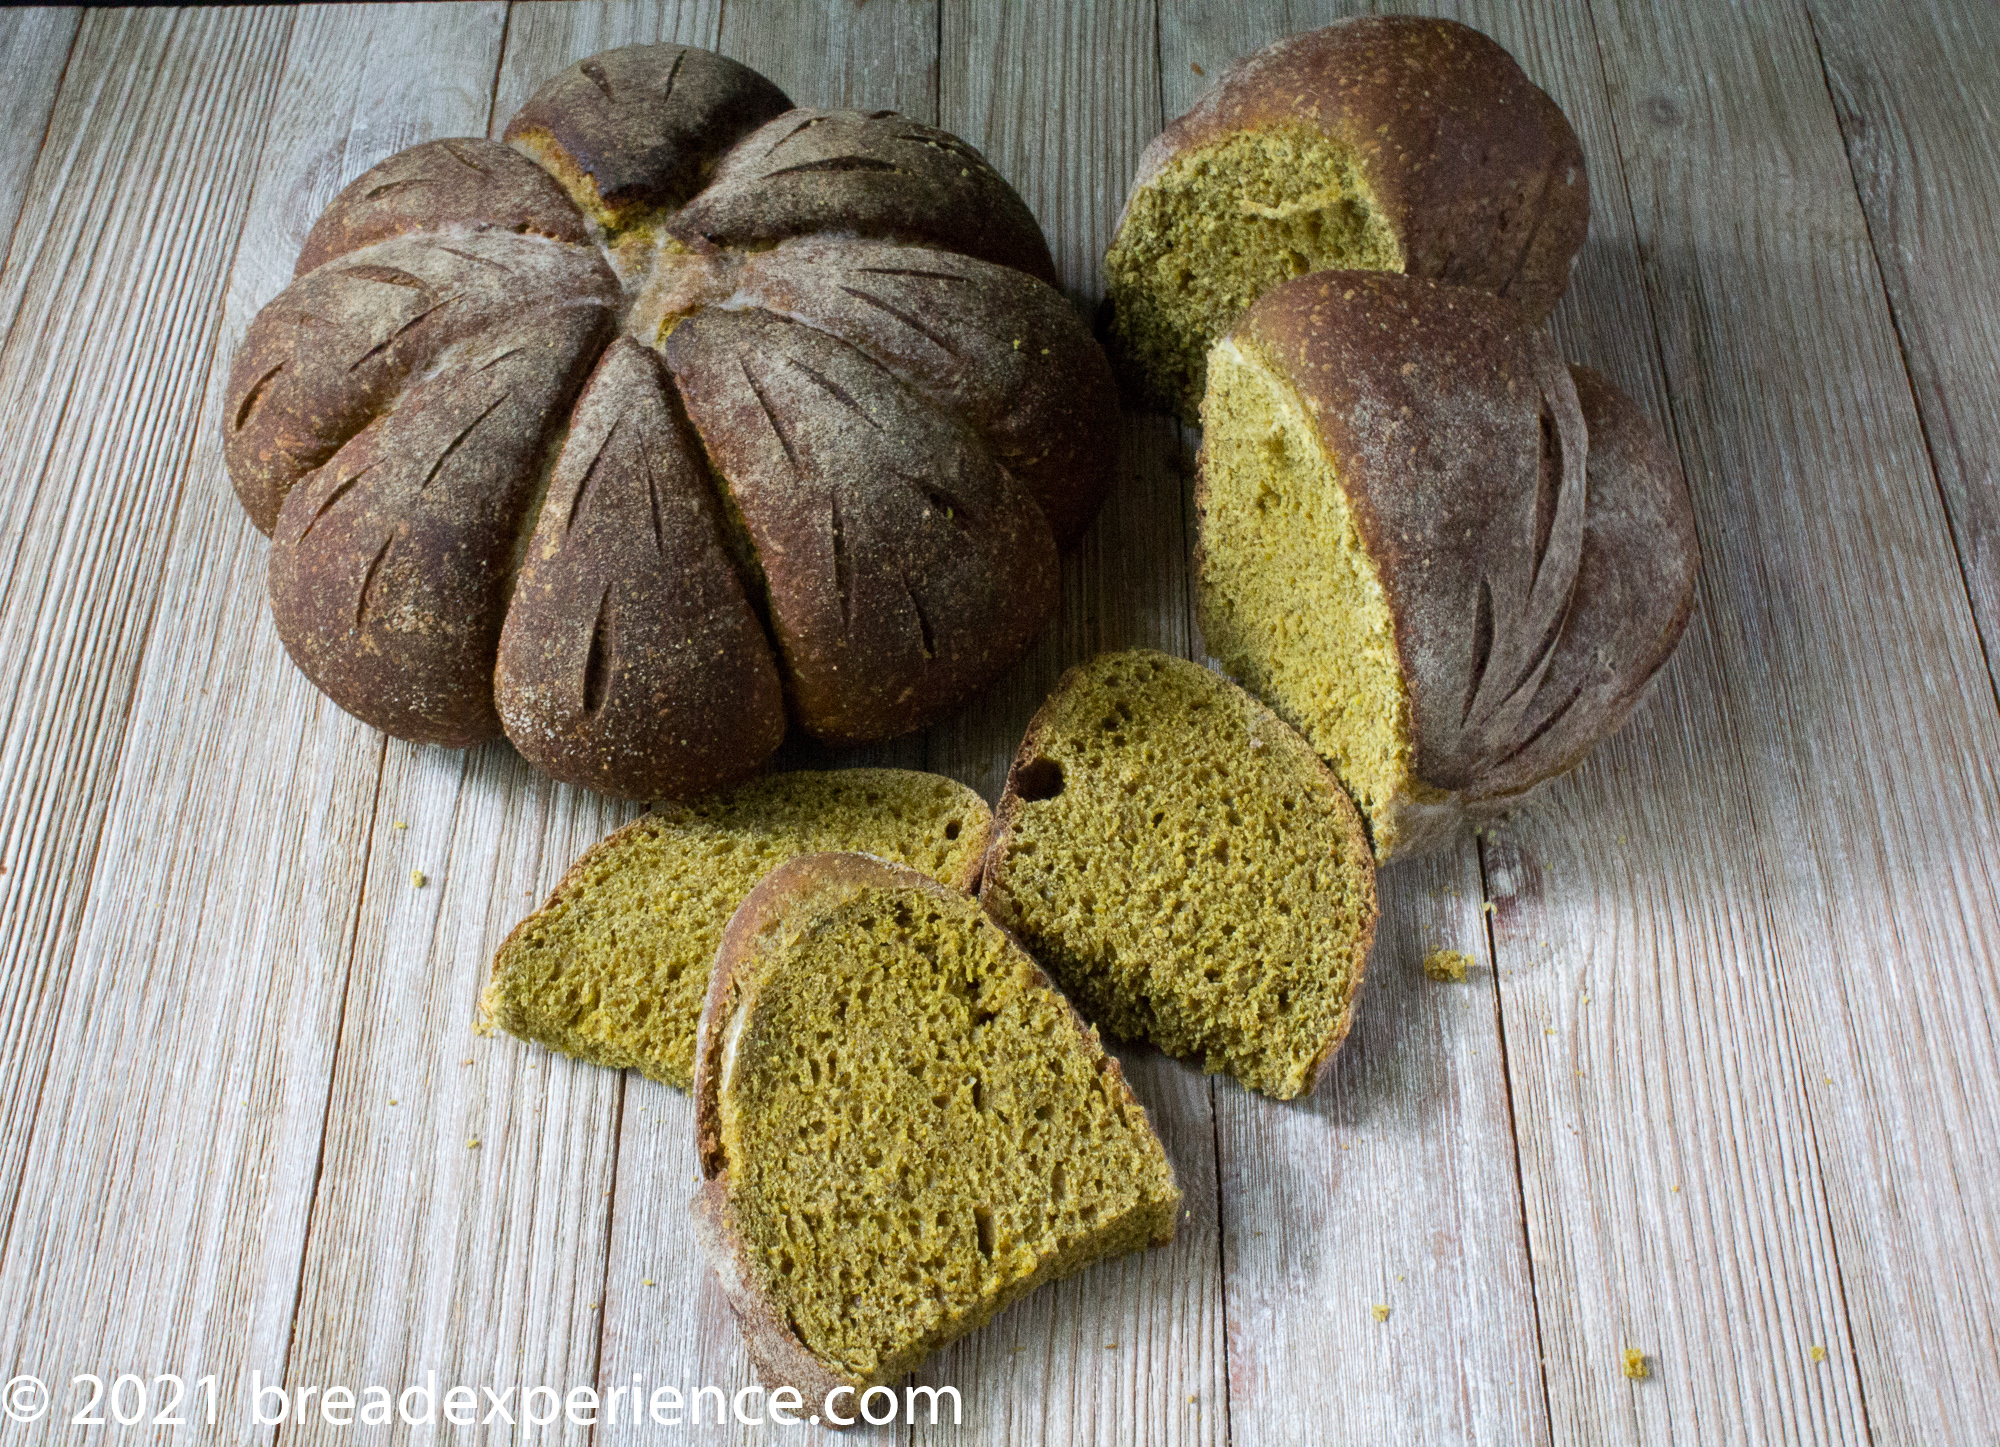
(681, 413)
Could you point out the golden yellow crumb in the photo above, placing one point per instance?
(472, 1143)
(417, 878)
(1635, 1365)
(1819, 1354)
(1198, 71)
(646, 1281)
(1379, 1311)
(401, 825)
(1447, 965)
(1487, 906)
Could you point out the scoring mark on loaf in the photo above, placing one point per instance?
(929, 334)
(340, 490)
(598, 666)
(770, 414)
(834, 390)
(444, 455)
(368, 578)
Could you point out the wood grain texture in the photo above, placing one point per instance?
(1821, 855)
(116, 285)
(1915, 87)
(1676, 1209)
(34, 49)
(1395, 1185)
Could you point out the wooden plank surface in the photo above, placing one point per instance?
(1858, 812)
(1917, 90)
(34, 50)
(113, 1094)
(1723, 1088)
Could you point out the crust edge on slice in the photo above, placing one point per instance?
(775, 1348)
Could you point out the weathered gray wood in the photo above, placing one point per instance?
(1788, 940)
(1395, 1185)
(116, 283)
(34, 48)
(1914, 87)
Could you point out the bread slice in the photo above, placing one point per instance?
(903, 1126)
(613, 967)
(1188, 869)
(1449, 560)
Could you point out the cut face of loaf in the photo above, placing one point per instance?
(1188, 869)
(1388, 143)
(612, 969)
(903, 1126)
(683, 416)
(1450, 561)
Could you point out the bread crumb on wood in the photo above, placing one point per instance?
(1380, 1311)
(1448, 965)
(1819, 1353)
(399, 824)
(1487, 907)
(1635, 1365)
(417, 878)
(472, 1143)
(1196, 68)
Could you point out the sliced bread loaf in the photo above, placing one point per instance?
(1386, 143)
(903, 1126)
(1186, 866)
(612, 968)
(1449, 560)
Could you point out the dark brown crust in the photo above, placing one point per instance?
(903, 567)
(631, 662)
(1528, 613)
(348, 390)
(780, 1357)
(334, 351)
(977, 341)
(459, 184)
(993, 892)
(1634, 592)
(874, 175)
(646, 121)
(1481, 176)
(391, 564)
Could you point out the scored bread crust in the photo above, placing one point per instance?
(994, 895)
(933, 420)
(780, 1357)
(1479, 172)
(1538, 573)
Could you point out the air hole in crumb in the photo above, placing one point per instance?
(1039, 779)
(951, 829)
